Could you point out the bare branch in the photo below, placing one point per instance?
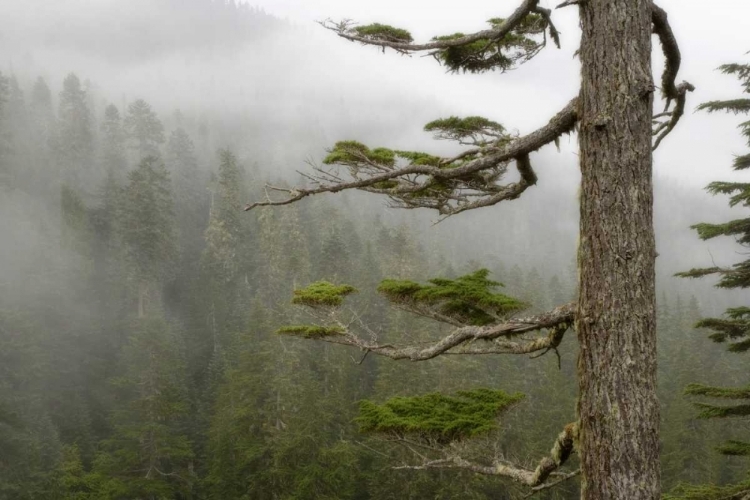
(664, 128)
(545, 486)
(557, 320)
(669, 89)
(462, 185)
(559, 454)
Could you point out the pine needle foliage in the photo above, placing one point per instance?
(310, 331)
(456, 128)
(517, 47)
(735, 325)
(468, 298)
(437, 417)
(383, 32)
(322, 293)
(354, 152)
(709, 492)
(735, 449)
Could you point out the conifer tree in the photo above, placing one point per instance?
(113, 142)
(222, 259)
(147, 230)
(149, 454)
(75, 143)
(614, 315)
(143, 129)
(734, 327)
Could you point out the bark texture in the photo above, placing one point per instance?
(618, 408)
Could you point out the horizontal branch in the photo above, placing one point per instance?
(496, 33)
(517, 150)
(557, 319)
(561, 450)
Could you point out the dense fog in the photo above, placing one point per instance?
(133, 132)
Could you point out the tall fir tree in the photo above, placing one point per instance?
(113, 143)
(143, 129)
(75, 141)
(734, 327)
(147, 231)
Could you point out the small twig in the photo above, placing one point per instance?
(565, 477)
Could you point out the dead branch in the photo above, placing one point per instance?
(670, 90)
(561, 450)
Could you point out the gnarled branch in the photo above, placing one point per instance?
(561, 450)
(527, 7)
(670, 90)
(466, 337)
(464, 192)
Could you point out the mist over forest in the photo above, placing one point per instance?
(139, 305)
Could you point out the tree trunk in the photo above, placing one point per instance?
(617, 407)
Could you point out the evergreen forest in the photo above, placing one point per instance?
(155, 342)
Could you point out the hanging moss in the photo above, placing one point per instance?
(468, 298)
(437, 416)
(353, 152)
(322, 293)
(383, 32)
(310, 331)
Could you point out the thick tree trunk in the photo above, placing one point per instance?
(618, 408)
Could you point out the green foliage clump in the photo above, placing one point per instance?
(490, 54)
(734, 449)
(322, 293)
(383, 32)
(436, 416)
(353, 153)
(712, 411)
(419, 158)
(456, 128)
(468, 298)
(708, 492)
(735, 325)
(310, 331)
(717, 392)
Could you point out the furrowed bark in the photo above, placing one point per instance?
(617, 407)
